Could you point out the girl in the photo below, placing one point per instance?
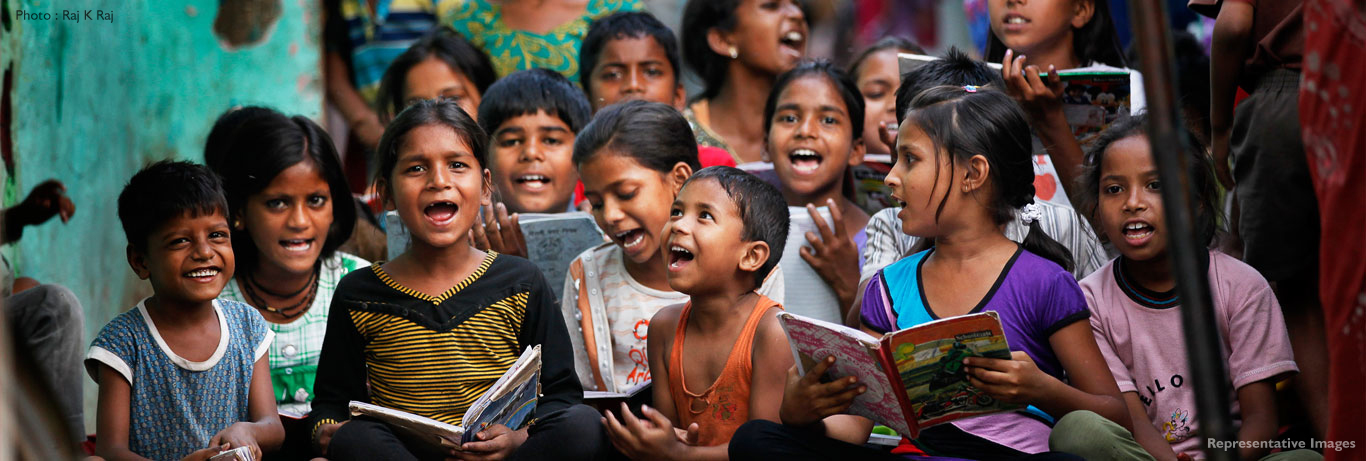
(962, 169)
(633, 159)
(430, 331)
(1028, 37)
(878, 75)
(1136, 315)
(814, 121)
(289, 205)
(440, 65)
(738, 47)
(529, 34)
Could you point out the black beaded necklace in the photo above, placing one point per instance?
(289, 312)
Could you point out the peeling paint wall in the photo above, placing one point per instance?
(94, 100)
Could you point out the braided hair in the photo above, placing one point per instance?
(967, 122)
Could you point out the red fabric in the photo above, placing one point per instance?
(1333, 120)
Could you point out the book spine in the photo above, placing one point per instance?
(894, 377)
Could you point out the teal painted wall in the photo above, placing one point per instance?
(94, 100)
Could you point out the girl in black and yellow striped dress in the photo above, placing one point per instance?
(431, 331)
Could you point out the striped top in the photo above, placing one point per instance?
(435, 355)
(370, 40)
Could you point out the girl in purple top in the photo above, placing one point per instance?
(962, 169)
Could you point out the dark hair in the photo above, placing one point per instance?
(1192, 78)
(441, 43)
(891, 42)
(955, 68)
(761, 208)
(528, 91)
(1096, 41)
(655, 135)
(700, 17)
(427, 112)
(624, 25)
(249, 150)
(164, 191)
(985, 122)
(1207, 215)
(853, 100)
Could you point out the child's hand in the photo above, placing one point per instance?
(652, 438)
(500, 232)
(833, 254)
(204, 454)
(325, 433)
(1017, 380)
(496, 442)
(1038, 98)
(887, 131)
(240, 434)
(807, 400)
(45, 201)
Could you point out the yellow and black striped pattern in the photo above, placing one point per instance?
(483, 267)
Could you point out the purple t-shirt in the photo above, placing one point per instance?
(1034, 297)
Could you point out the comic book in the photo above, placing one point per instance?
(510, 402)
(915, 377)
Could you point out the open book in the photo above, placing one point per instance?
(235, 454)
(626, 394)
(915, 377)
(510, 402)
(554, 240)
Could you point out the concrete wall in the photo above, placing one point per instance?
(93, 100)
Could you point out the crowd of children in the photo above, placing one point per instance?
(260, 332)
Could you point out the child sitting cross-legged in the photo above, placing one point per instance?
(182, 375)
(432, 330)
(723, 353)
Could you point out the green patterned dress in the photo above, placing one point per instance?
(481, 21)
(294, 354)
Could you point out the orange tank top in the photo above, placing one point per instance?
(722, 408)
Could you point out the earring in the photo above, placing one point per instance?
(734, 53)
(237, 224)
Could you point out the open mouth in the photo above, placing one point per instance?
(679, 257)
(298, 245)
(1137, 231)
(203, 274)
(441, 212)
(630, 240)
(805, 161)
(532, 181)
(1014, 22)
(794, 42)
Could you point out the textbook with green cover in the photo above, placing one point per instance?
(915, 377)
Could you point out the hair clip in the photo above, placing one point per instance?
(970, 88)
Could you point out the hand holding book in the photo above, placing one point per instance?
(1017, 380)
(807, 400)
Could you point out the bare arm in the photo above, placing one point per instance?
(771, 359)
(1228, 51)
(1258, 404)
(360, 117)
(111, 417)
(1145, 433)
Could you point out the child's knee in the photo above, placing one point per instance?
(1089, 435)
(756, 438)
(575, 432)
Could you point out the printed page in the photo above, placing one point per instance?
(856, 354)
(428, 435)
(628, 393)
(807, 293)
(554, 240)
(930, 360)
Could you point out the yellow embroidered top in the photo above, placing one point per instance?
(481, 21)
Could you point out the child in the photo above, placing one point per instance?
(814, 121)
(633, 158)
(182, 374)
(725, 234)
(440, 65)
(289, 205)
(1136, 315)
(1054, 35)
(529, 34)
(878, 74)
(430, 331)
(630, 55)
(962, 168)
(738, 47)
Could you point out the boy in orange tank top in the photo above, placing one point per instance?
(723, 353)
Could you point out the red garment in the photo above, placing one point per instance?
(707, 156)
(1333, 120)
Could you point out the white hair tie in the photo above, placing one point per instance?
(1031, 213)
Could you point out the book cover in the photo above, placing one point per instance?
(554, 240)
(805, 292)
(625, 394)
(857, 354)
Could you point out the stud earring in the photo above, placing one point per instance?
(237, 224)
(734, 53)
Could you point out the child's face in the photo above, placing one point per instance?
(878, 79)
(433, 78)
(1037, 25)
(1130, 200)
(436, 186)
(703, 243)
(634, 68)
(188, 259)
(920, 180)
(811, 140)
(532, 163)
(630, 202)
(289, 219)
(769, 35)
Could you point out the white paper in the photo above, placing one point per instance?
(807, 293)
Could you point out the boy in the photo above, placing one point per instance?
(726, 233)
(182, 373)
(630, 55)
(531, 118)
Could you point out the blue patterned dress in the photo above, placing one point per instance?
(177, 405)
